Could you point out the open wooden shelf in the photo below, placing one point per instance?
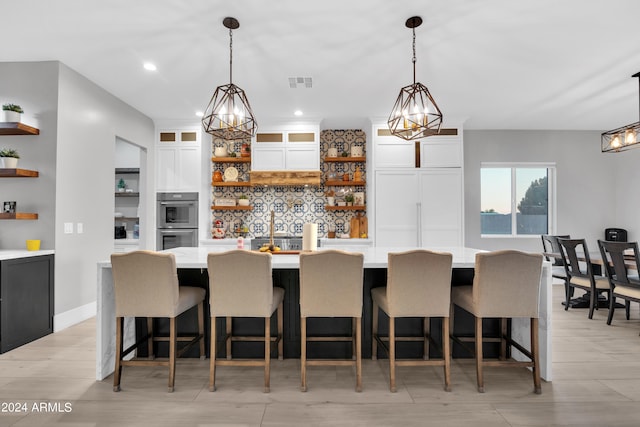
(18, 173)
(345, 208)
(231, 159)
(345, 159)
(344, 183)
(17, 128)
(231, 184)
(18, 215)
(231, 208)
(127, 170)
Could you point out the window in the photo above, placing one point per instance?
(516, 200)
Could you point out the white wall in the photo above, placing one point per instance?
(89, 120)
(627, 174)
(587, 202)
(34, 86)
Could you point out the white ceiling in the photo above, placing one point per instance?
(497, 64)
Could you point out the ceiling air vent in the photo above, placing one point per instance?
(296, 82)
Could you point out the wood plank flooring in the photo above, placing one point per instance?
(596, 382)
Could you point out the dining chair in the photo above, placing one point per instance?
(550, 245)
(146, 285)
(418, 285)
(580, 274)
(241, 285)
(331, 284)
(616, 256)
(506, 285)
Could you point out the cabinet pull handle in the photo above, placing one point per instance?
(419, 223)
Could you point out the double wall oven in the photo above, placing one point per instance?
(177, 217)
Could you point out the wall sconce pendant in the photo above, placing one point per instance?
(623, 138)
(415, 114)
(228, 115)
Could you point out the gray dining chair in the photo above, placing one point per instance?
(619, 258)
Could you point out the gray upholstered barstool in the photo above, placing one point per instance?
(418, 285)
(506, 285)
(146, 285)
(241, 285)
(331, 286)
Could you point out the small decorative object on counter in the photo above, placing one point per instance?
(218, 231)
(33, 245)
(240, 243)
(331, 233)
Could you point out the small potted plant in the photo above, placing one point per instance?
(9, 158)
(243, 200)
(349, 199)
(11, 113)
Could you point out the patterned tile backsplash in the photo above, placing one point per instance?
(293, 206)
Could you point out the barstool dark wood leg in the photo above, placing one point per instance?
(118, 369)
(478, 340)
(173, 342)
(212, 361)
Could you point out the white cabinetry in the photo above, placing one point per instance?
(178, 160)
(292, 147)
(418, 207)
(419, 190)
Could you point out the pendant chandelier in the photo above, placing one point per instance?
(623, 138)
(228, 115)
(415, 114)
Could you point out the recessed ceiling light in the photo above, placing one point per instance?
(297, 113)
(199, 113)
(150, 67)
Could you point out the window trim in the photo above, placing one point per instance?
(552, 208)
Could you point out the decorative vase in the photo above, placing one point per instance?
(245, 151)
(243, 202)
(220, 151)
(9, 162)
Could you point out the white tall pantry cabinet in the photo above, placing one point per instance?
(418, 206)
(178, 160)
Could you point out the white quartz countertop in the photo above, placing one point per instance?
(6, 254)
(374, 257)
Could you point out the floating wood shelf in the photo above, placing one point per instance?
(17, 128)
(128, 170)
(231, 208)
(345, 159)
(18, 215)
(231, 159)
(18, 173)
(285, 178)
(125, 194)
(345, 208)
(231, 184)
(344, 183)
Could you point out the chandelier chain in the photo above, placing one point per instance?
(230, 56)
(414, 55)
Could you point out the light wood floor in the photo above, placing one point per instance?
(596, 383)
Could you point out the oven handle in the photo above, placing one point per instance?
(178, 202)
(176, 231)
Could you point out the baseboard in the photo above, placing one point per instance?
(74, 316)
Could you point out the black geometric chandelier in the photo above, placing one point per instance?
(415, 114)
(228, 115)
(623, 138)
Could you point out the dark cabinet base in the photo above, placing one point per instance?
(26, 295)
(289, 280)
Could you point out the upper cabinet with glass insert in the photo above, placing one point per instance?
(287, 148)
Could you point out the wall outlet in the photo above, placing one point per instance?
(79, 228)
(68, 228)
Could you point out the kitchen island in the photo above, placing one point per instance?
(192, 264)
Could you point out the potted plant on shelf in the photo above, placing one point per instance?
(349, 199)
(9, 158)
(11, 113)
(243, 200)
